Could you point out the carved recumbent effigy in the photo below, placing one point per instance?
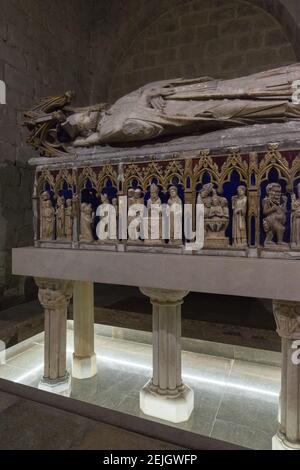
(247, 176)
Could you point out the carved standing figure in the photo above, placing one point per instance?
(135, 218)
(175, 206)
(114, 202)
(47, 217)
(296, 218)
(182, 106)
(109, 221)
(60, 218)
(86, 220)
(69, 215)
(154, 216)
(130, 197)
(239, 227)
(274, 210)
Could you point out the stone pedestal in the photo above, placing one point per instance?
(287, 316)
(54, 295)
(84, 358)
(165, 396)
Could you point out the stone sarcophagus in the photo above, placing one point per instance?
(250, 194)
(119, 178)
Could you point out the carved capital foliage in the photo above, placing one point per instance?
(287, 317)
(54, 293)
(164, 296)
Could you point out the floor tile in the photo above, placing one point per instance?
(235, 400)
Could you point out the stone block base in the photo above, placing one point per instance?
(60, 386)
(175, 409)
(216, 242)
(84, 367)
(278, 443)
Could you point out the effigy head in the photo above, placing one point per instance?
(85, 122)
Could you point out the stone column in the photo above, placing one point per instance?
(84, 358)
(287, 316)
(165, 396)
(54, 295)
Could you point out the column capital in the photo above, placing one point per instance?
(54, 293)
(287, 317)
(164, 296)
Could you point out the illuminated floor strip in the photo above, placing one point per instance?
(197, 378)
(137, 365)
(28, 374)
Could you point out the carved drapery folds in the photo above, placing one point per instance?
(169, 107)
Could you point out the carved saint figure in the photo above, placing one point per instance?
(47, 217)
(60, 218)
(138, 196)
(274, 210)
(182, 106)
(154, 216)
(175, 206)
(131, 201)
(130, 197)
(296, 218)
(205, 197)
(216, 216)
(114, 202)
(69, 215)
(135, 216)
(110, 227)
(104, 198)
(239, 227)
(86, 220)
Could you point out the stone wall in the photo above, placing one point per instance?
(147, 41)
(44, 50)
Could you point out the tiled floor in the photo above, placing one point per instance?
(235, 400)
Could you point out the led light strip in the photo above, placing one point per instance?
(197, 378)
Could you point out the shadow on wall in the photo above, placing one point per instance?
(16, 183)
(168, 39)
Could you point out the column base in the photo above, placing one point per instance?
(279, 443)
(61, 386)
(174, 408)
(84, 367)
